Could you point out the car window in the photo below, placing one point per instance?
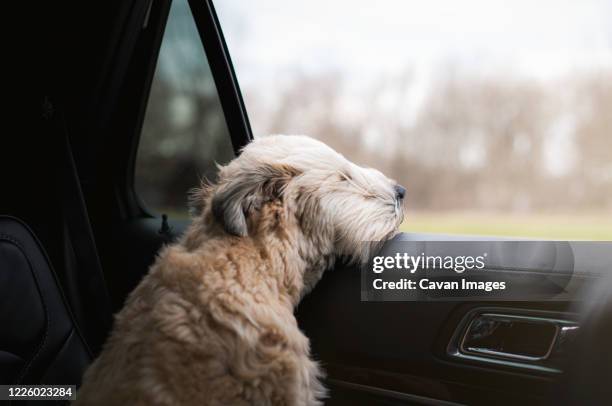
(184, 134)
(495, 115)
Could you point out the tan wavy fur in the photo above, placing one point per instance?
(212, 323)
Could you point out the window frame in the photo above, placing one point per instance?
(142, 70)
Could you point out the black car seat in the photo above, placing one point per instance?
(40, 342)
(51, 325)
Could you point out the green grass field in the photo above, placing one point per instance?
(546, 226)
(591, 227)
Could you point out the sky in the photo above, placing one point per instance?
(366, 39)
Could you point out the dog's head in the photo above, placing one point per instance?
(303, 189)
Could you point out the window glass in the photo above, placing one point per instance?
(184, 133)
(495, 115)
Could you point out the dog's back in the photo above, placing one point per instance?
(206, 327)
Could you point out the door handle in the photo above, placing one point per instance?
(514, 339)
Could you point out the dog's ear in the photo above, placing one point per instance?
(246, 191)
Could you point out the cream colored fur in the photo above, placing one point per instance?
(212, 323)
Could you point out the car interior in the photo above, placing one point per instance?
(75, 239)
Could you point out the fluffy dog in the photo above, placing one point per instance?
(212, 323)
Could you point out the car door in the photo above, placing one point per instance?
(409, 352)
(177, 116)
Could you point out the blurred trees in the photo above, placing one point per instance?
(504, 143)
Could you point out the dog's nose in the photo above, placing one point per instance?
(400, 192)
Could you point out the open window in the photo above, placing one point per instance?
(494, 124)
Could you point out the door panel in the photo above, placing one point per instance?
(403, 346)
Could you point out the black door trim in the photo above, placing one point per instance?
(387, 394)
(223, 72)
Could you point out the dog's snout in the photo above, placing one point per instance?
(400, 192)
